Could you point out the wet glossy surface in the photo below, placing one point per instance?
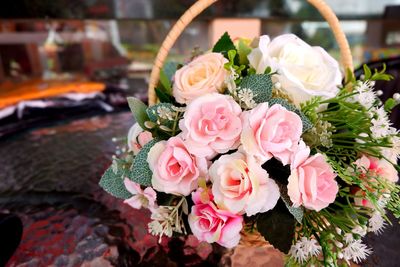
(49, 178)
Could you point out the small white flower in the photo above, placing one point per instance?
(359, 230)
(365, 94)
(376, 223)
(381, 126)
(155, 228)
(304, 249)
(297, 252)
(166, 220)
(348, 238)
(165, 113)
(230, 81)
(338, 231)
(360, 141)
(393, 152)
(247, 97)
(356, 251)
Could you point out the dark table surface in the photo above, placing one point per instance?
(49, 179)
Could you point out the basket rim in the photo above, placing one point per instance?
(200, 5)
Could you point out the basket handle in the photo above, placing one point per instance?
(200, 5)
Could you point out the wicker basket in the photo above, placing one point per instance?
(254, 239)
(200, 5)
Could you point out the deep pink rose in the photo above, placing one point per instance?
(271, 132)
(211, 125)
(312, 180)
(205, 74)
(175, 169)
(211, 224)
(368, 168)
(377, 167)
(241, 185)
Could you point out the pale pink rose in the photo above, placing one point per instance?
(211, 224)
(377, 167)
(312, 180)
(137, 138)
(271, 132)
(141, 198)
(205, 74)
(241, 185)
(211, 125)
(175, 169)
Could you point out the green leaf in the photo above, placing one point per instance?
(277, 226)
(260, 85)
(140, 172)
(170, 68)
(390, 104)
(297, 212)
(367, 72)
(138, 109)
(243, 51)
(163, 96)
(112, 181)
(166, 75)
(307, 125)
(224, 44)
(165, 82)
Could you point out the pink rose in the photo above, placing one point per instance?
(211, 224)
(175, 169)
(377, 167)
(205, 74)
(141, 198)
(211, 125)
(271, 132)
(312, 180)
(361, 200)
(241, 185)
(137, 138)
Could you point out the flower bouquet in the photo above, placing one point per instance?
(264, 137)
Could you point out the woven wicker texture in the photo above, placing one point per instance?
(200, 5)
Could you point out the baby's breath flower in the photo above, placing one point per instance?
(178, 109)
(321, 133)
(230, 80)
(165, 113)
(166, 220)
(246, 96)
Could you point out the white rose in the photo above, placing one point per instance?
(303, 71)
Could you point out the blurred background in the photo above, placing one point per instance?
(81, 49)
(66, 67)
